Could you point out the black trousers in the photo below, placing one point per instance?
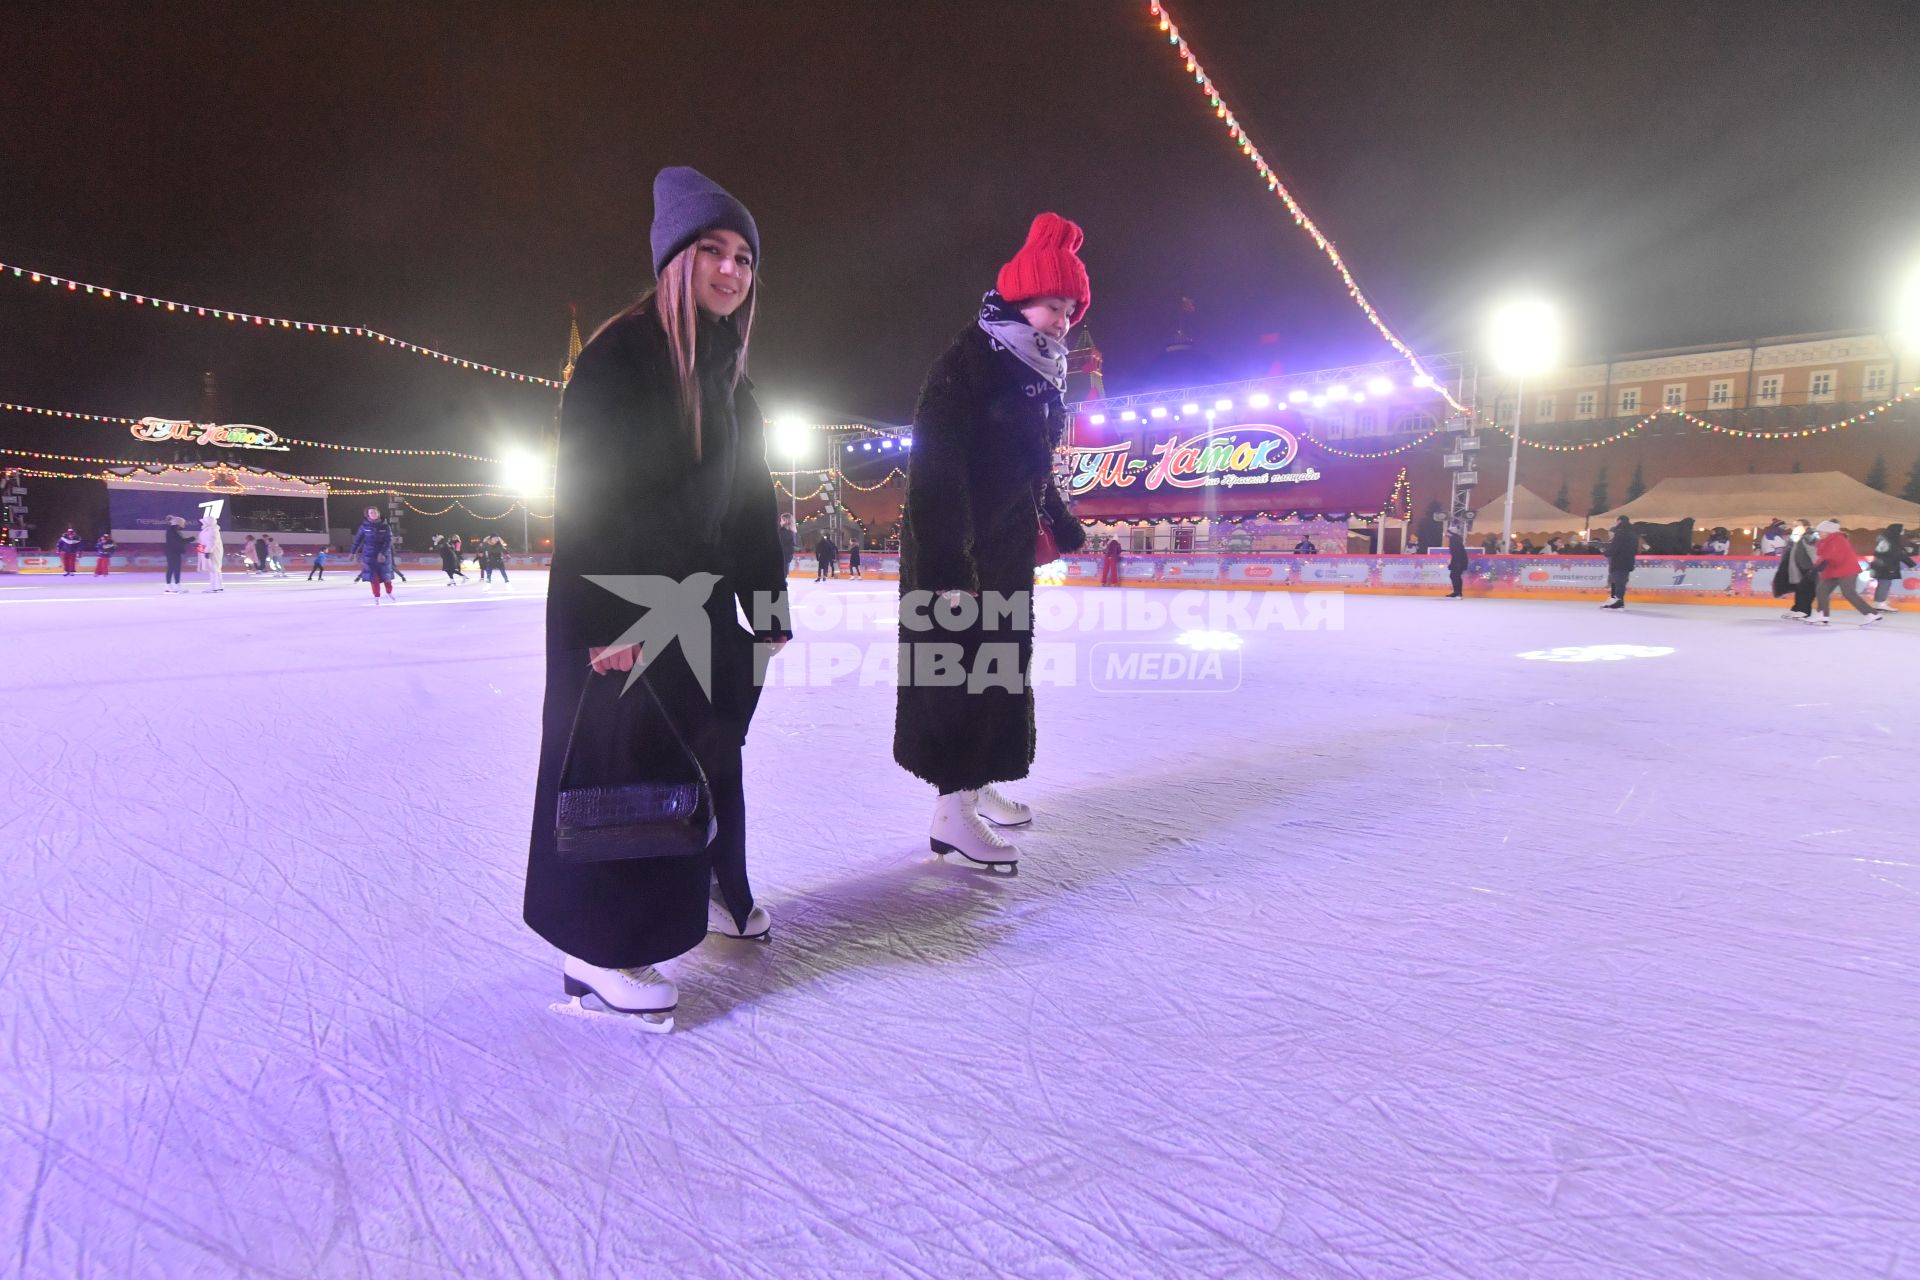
(1803, 593)
(1459, 579)
(173, 570)
(1617, 583)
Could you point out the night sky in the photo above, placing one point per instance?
(1674, 172)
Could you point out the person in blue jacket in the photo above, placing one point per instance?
(373, 543)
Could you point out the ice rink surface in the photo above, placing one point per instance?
(1414, 957)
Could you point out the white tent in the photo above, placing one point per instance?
(1531, 514)
(1750, 501)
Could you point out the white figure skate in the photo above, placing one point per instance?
(641, 996)
(958, 828)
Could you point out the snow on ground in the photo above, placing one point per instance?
(1413, 957)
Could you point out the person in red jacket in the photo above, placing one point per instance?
(1839, 566)
(1110, 564)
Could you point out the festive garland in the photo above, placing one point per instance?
(173, 468)
(40, 473)
(1615, 438)
(1738, 432)
(1239, 137)
(1384, 453)
(511, 508)
(270, 322)
(869, 488)
(115, 420)
(1841, 425)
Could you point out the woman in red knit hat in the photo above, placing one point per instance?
(981, 502)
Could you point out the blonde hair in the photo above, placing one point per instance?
(679, 317)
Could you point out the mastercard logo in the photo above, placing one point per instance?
(1259, 571)
(1537, 575)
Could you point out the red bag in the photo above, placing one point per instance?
(1046, 549)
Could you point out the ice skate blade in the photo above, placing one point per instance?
(576, 1007)
(1008, 826)
(762, 937)
(1008, 868)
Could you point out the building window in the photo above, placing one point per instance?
(1503, 409)
(1877, 380)
(1363, 423)
(1675, 395)
(1583, 407)
(1820, 386)
(1544, 410)
(1769, 390)
(1720, 394)
(1415, 422)
(1630, 400)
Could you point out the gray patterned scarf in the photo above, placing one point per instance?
(1002, 322)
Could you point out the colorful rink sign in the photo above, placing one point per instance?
(1237, 470)
(236, 435)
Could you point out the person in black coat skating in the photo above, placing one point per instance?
(1797, 575)
(662, 474)
(1457, 559)
(175, 541)
(1889, 558)
(449, 559)
(979, 485)
(1622, 554)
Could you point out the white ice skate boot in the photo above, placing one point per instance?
(1820, 620)
(1873, 617)
(959, 828)
(1001, 811)
(640, 995)
(720, 920)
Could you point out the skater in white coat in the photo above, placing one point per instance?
(213, 551)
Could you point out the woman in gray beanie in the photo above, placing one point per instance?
(638, 847)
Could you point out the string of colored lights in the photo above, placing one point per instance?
(1239, 137)
(1615, 438)
(269, 322)
(1383, 453)
(171, 468)
(1402, 493)
(41, 473)
(511, 508)
(1804, 432)
(869, 488)
(116, 420)
(797, 497)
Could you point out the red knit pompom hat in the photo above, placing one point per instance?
(1048, 266)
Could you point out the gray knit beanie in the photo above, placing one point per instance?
(685, 203)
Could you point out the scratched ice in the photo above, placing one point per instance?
(1415, 957)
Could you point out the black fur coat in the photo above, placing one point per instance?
(981, 474)
(631, 499)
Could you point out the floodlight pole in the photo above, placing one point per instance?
(1513, 467)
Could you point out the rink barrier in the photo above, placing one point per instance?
(1736, 580)
(16, 561)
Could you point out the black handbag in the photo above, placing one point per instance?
(599, 816)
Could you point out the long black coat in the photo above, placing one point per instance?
(1890, 552)
(1623, 550)
(983, 440)
(631, 499)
